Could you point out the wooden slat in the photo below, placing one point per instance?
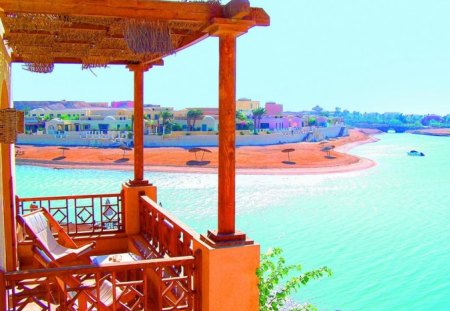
(103, 268)
(84, 196)
(162, 10)
(170, 216)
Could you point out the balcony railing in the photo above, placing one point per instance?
(166, 235)
(158, 284)
(82, 214)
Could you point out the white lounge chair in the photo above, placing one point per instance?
(38, 225)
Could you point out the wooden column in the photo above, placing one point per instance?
(226, 233)
(138, 127)
(227, 133)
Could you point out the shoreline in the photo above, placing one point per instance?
(440, 132)
(250, 160)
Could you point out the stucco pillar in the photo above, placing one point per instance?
(130, 205)
(228, 277)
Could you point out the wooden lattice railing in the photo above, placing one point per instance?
(164, 232)
(81, 214)
(139, 285)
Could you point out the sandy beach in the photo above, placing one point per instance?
(307, 158)
(433, 132)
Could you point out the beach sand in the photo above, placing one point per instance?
(305, 159)
(433, 132)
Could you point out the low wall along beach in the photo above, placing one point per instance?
(72, 139)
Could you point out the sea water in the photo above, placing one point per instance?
(384, 231)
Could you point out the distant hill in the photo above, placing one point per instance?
(56, 105)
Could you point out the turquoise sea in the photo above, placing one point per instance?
(384, 231)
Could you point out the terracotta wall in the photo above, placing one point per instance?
(2, 228)
(229, 280)
(5, 163)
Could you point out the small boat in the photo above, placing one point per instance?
(415, 153)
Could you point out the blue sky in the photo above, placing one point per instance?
(365, 55)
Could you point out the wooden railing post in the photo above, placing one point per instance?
(2, 290)
(198, 280)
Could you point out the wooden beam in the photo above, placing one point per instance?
(237, 9)
(259, 16)
(67, 60)
(221, 26)
(162, 10)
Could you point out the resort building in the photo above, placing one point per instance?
(92, 119)
(280, 123)
(207, 122)
(96, 123)
(273, 109)
(121, 251)
(246, 105)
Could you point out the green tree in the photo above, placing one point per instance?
(317, 109)
(276, 283)
(176, 127)
(257, 115)
(241, 116)
(337, 111)
(166, 118)
(194, 115)
(447, 119)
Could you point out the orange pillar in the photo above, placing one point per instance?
(226, 233)
(227, 133)
(138, 127)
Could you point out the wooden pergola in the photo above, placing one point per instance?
(139, 34)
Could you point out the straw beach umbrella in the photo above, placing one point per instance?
(63, 149)
(197, 149)
(288, 151)
(125, 149)
(327, 149)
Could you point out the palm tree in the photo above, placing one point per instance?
(166, 117)
(241, 116)
(194, 115)
(257, 115)
(317, 109)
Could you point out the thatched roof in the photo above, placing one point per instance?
(96, 33)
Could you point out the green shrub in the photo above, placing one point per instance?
(268, 132)
(274, 289)
(242, 133)
(176, 127)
